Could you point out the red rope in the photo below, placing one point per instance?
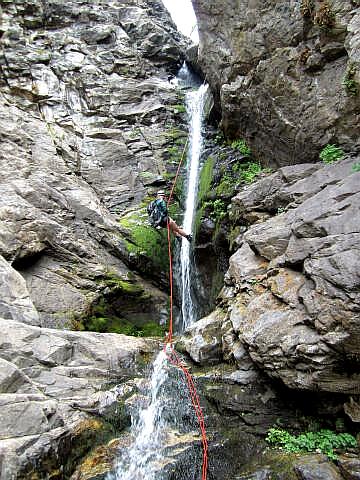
(177, 361)
(170, 334)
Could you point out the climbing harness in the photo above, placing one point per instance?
(172, 355)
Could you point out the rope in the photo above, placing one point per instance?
(174, 358)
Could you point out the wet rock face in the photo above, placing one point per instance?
(281, 73)
(84, 101)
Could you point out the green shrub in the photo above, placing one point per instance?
(227, 185)
(248, 171)
(114, 324)
(217, 209)
(356, 167)
(242, 146)
(350, 85)
(331, 153)
(324, 441)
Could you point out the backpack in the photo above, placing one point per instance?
(156, 215)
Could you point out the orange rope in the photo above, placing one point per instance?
(173, 357)
(177, 362)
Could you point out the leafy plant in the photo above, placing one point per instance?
(331, 153)
(350, 85)
(227, 185)
(248, 171)
(324, 441)
(242, 146)
(217, 209)
(356, 167)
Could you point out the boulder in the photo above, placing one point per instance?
(15, 301)
(202, 340)
(316, 467)
(349, 466)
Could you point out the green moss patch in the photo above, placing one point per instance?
(113, 324)
(145, 241)
(124, 307)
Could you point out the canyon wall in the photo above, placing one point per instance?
(285, 74)
(87, 117)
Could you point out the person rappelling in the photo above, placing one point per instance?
(159, 216)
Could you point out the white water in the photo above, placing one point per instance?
(169, 402)
(195, 103)
(140, 461)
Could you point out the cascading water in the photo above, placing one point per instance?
(166, 428)
(163, 433)
(148, 430)
(195, 103)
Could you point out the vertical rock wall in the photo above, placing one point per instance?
(285, 73)
(86, 110)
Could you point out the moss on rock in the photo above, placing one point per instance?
(146, 241)
(124, 306)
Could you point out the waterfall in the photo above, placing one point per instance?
(195, 103)
(164, 432)
(147, 430)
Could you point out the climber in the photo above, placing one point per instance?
(159, 216)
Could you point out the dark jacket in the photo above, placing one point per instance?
(161, 204)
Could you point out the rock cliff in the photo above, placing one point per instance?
(285, 74)
(87, 117)
(90, 127)
(292, 289)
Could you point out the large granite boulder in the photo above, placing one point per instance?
(285, 74)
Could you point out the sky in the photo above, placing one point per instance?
(183, 15)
